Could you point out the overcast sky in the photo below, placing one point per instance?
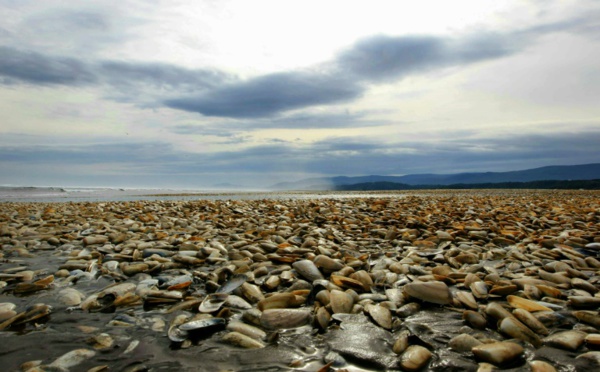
(187, 94)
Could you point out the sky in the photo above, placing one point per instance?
(202, 94)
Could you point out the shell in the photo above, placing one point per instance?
(341, 302)
(199, 324)
(522, 303)
(242, 340)
(284, 318)
(474, 319)
(415, 358)
(498, 353)
(276, 301)
(322, 317)
(463, 342)
(401, 342)
(516, 329)
(327, 264)
(496, 310)
(541, 366)
(72, 358)
(349, 283)
(213, 302)
(584, 302)
(381, 315)
(479, 289)
(246, 329)
(467, 299)
(434, 292)
(530, 321)
(308, 270)
(569, 340)
(234, 282)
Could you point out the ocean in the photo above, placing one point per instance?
(91, 194)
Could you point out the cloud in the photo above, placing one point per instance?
(36, 68)
(302, 120)
(372, 60)
(381, 57)
(159, 75)
(134, 79)
(270, 94)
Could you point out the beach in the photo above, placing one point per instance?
(425, 280)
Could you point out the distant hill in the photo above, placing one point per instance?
(554, 185)
(550, 173)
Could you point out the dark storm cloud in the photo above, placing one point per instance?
(36, 68)
(159, 75)
(270, 94)
(39, 69)
(384, 57)
(371, 60)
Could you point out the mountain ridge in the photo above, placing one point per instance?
(546, 173)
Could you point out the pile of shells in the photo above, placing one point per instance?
(462, 280)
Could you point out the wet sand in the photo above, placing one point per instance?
(395, 281)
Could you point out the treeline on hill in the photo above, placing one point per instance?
(559, 185)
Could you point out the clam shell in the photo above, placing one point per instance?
(498, 353)
(401, 342)
(434, 292)
(496, 310)
(72, 358)
(234, 282)
(213, 302)
(349, 283)
(467, 299)
(522, 303)
(308, 270)
(251, 293)
(479, 289)
(541, 366)
(503, 290)
(195, 325)
(589, 317)
(242, 340)
(584, 302)
(341, 302)
(415, 358)
(327, 264)
(236, 302)
(516, 329)
(176, 335)
(276, 301)
(247, 329)
(569, 340)
(530, 321)
(363, 277)
(463, 343)
(284, 318)
(381, 315)
(408, 310)
(592, 340)
(474, 319)
(322, 317)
